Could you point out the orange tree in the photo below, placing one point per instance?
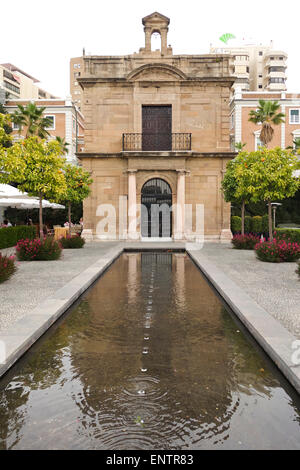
(235, 183)
(271, 177)
(78, 182)
(37, 167)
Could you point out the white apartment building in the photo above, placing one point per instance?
(17, 84)
(257, 67)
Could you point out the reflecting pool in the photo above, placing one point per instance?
(149, 358)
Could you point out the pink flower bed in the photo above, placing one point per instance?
(277, 251)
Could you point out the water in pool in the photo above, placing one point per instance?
(149, 358)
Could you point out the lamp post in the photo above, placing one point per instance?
(274, 207)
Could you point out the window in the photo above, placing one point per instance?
(77, 92)
(276, 80)
(247, 69)
(52, 119)
(260, 75)
(76, 74)
(276, 69)
(15, 126)
(76, 66)
(257, 142)
(294, 116)
(11, 87)
(259, 86)
(260, 53)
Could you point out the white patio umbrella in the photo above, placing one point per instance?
(12, 197)
(29, 203)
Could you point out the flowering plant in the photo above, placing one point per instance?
(7, 267)
(277, 251)
(46, 249)
(72, 241)
(245, 242)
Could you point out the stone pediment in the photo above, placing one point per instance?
(156, 72)
(155, 18)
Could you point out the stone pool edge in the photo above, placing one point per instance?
(16, 341)
(268, 332)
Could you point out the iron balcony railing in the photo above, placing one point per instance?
(157, 142)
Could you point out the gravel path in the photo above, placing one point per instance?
(275, 287)
(36, 280)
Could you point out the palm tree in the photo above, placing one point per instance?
(296, 146)
(32, 118)
(239, 146)
(63, 144)
(267, 115)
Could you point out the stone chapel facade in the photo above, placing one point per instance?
(157, 133)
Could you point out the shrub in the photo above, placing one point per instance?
(277, 251)
(256, 224)
(291, 235)
(72, 241)
(38, 250)
(245, 242)
(7, 267)
(9, 236)
(236, 224)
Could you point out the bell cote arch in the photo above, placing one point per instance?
(156, 23)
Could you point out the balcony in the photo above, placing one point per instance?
(157, 142)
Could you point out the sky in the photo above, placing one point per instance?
(41, 37)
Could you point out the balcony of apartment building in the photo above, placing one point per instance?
(275, 84)
(277, 59)
(157, 135)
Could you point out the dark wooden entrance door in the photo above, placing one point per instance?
(157, 128)
(156, 215)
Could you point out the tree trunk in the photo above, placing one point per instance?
(41, 216)
(270, 220)
(69, 213)
(243, 218)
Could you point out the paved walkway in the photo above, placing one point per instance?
(275, 287)
(35, 281)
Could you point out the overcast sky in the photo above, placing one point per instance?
(40, 37)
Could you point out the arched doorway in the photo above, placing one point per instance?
(156, 214)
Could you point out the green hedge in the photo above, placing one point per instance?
(236, 224)
(9, 236)
(248, 224)
(256, 224)
(288, 234)
(265, 224)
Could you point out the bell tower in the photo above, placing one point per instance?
(156, 23)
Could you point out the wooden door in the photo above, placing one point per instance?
(157, 128)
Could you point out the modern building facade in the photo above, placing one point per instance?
(257, 67)
(244, 131)
(76, 69)
(67, 123)
(156, 134)
(17, 84)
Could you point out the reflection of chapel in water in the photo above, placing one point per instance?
(157, 133)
